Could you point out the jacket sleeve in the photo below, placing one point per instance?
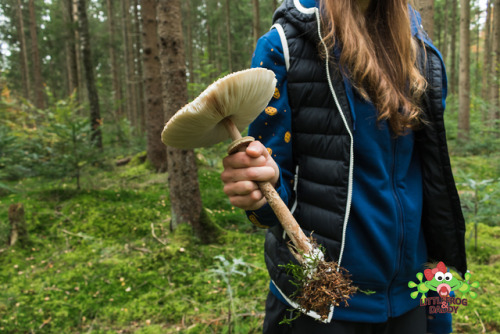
(439, 323)
(273, 126)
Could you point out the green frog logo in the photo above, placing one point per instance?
(440, 280)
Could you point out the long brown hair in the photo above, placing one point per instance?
(380, 55)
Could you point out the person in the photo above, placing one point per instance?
(354, 142)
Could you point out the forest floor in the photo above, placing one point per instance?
(102, 259)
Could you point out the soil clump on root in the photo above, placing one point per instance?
(328, 285)
(320, 283)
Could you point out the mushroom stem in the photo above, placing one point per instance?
(287, 220)
(231, 129)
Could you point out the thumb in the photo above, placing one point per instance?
(256, 149)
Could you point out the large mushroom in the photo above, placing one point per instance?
(222, 111)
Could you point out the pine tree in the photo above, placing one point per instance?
(95, 113)
(426, 9)
(35, 59)
(256, 22)
(156, 151)
(69, 35)
(117, 89)
(24, 53)
(464, 72)
(495, 66)
(228, 37)
(185, 195)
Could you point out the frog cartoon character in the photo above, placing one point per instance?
(440, 280)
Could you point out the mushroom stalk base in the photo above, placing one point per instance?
(288, 222)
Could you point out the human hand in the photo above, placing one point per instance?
(242, 169)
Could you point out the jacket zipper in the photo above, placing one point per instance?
(400, 223)
(351, 152)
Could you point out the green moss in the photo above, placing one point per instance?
(95, 267)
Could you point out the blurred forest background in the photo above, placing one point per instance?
(95, 237)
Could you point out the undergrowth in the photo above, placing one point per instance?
(93, 265)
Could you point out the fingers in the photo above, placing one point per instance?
(262, 173)
(247, 204)
(243, 160)
(245, 195)
(242, 169)
(243, 188)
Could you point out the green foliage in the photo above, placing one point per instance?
(54, 142)
(95, 267)
(14, 160)
(205, 76)
(484, 265)
(478, 184)
(20, 150)
(67, 135)
(484, 137)
(225, 270)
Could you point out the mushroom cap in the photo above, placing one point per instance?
(241, 96)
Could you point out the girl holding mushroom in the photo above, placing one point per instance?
(353, 140)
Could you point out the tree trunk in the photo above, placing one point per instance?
(185, 198)
(210, 50)
(156, 151)
(18, 228)
(189, 40)
(228, 33)
(23, 51)
(82, 91)
(444, 49)
(453, 48)
(495, 66)
(219, 50)
(485, 80)
(117, 88)
(35, 58)
(71, 65)
(426, 9)
(95, 113)
(130, 103)
(139, 69)
(256, 22)
(464, 72)
(275, 5)
(477, 77)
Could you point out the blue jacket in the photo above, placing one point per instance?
(385, 245)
